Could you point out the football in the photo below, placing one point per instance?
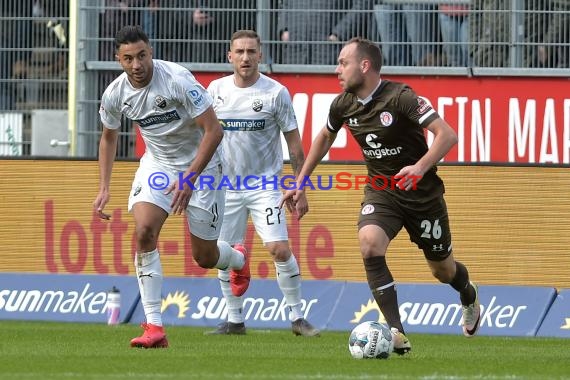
(371, 340)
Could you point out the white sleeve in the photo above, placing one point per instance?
(211, 89)
(192, 94)
(284, 112)
(108, 113)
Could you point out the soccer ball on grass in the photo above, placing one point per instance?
(371, 340)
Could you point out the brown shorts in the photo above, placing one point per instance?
(427, 226)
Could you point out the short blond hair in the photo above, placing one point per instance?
(245, 33)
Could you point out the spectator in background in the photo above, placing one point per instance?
(164, 19)
(40, 45)
(409, 33)
(150, 23)
(213, 25)
(305, 27)
(556, 49)
(117, 14)
(490, 33)
(534, 26)
(494, 39)
(6, 61)
(454, 23)
(359, 21)
(272, 52)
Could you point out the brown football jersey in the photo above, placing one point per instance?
(389, 127)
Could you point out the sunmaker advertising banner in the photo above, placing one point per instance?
(424, 308)
(557, 321)
(199, 302)
(69, 298)
(329, 305)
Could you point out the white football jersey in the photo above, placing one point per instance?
(253, 119)
(164, 110)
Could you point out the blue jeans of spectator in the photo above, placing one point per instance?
(6, 102)
(150, 25)
(455, 36)
(407, 32)
(395, 49)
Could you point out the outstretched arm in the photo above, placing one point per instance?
(297, 158)
(107, 153)
(213, 134)
(319, 148)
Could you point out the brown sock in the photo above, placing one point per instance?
(461, 283)
(383, 289)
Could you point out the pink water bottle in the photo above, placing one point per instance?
(113, 306)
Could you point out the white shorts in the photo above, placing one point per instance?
(263, 206)
(205, 211)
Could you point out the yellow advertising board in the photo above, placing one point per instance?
(509, 225)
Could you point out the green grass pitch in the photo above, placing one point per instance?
(49, 350)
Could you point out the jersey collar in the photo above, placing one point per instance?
(369, 97)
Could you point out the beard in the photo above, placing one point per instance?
(355, 85)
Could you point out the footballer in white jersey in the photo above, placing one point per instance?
(182, 136)
(254, 111)
(252, 117)
(164, 110)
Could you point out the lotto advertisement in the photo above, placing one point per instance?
(53, 229)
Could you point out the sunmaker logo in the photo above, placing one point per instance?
(158, 119)
(255, 309)
(53, 301)
(493, 315)
(242, 124)
(180, 299)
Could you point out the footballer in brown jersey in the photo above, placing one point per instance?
(388, 121)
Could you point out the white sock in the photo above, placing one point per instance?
(233, 303)
(149, 276)
(289, 280)
(229, 257)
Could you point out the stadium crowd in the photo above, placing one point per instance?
(476, 33)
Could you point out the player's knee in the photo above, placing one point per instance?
(205, 252)
(370, 250)
(279, 252)
(146, 235)
(373, 241)
(205, 261)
